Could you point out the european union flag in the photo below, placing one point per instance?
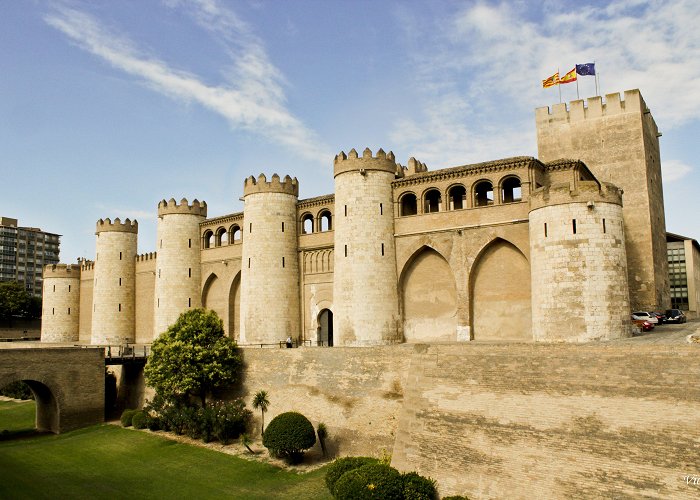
(586, 69)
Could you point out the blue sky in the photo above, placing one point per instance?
(107, 107)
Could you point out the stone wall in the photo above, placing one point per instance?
(610, 420)
(68, 383)
(552, 421)
(61, 304)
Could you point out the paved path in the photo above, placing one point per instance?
(666, 334)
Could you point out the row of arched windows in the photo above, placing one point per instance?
(482, 195)
(319, 224)
(222, 236)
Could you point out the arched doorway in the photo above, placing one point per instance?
(428, 298)
(500, 294)
(325, 328)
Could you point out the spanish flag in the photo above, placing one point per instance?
(551, 81)
(569, 77)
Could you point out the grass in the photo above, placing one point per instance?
(106, 461)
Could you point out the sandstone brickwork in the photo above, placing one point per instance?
(619, 141)
(60, 317)
(114, 292)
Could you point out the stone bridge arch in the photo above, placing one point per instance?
(68, 383)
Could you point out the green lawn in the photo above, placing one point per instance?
(17, 416)
(106, 461)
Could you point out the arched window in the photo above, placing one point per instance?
(510, 190)
(326, 220)
(433, 201)
(307, 224)
(221, 237)
(458, 197)
(409, 204)
(208, 239)
(483, 194)
(235, 234)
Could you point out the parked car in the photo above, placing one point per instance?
(643, 325)
(675, 316)
(644, 315)
(659, 315)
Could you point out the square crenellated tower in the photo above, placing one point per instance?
(619, 141)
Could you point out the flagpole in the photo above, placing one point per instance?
(577, 94)
(559, 85)
(597, 92)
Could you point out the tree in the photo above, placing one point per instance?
(260, 401)
(15, 301)
(193, 358)
(288, 435)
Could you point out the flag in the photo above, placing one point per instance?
(587, 69)
(551, 81)
(569, 77)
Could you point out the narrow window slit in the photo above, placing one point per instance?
(573, 225)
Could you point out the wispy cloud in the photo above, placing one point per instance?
(487, 61)
(673, 170)
(253, 100)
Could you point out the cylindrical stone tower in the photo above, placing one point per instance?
(178, 270)
(114, 289)
(365, 297)
(578, 263)
(270, 262)
(60, 318)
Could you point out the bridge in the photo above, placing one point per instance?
(68, 382)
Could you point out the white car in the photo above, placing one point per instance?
(646, 317)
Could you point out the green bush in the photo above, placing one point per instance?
(126, 417)
(342, 465)
(17, 390)
(153, 422)
(288, 435)
(232, 420)
(138, 420)
(455, 497)
(373, 481)
(417, 487)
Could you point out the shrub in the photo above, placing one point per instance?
(322, 432)
(343, 465)
(153, 422)
(417, 487)
(288, 435)
(126, 417)
(138, 420)
(17, 390)
(373, 481)
(232, 419)
(455, 497)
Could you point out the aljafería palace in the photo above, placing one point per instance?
(555, 248)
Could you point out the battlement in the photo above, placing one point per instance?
(384, 162)
(146, 256)
(584, 191)
(261, 185)
(86, 265)
(128, 226)
(172, 207)
(595, 108)
(62, 271)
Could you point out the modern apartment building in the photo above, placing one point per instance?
(684, 273)
(24, 251)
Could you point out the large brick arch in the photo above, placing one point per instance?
(500, 292)
(68, 384)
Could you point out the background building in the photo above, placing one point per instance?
(24, 251)
(684, 273)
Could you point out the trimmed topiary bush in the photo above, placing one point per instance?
(373, 481)
(126, 417)
(153, 422)
(288, 435)
(343, 465)
(417, 487)
(138, 420)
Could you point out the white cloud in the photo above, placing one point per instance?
(484, 64)
(673, 170)
(253, 100)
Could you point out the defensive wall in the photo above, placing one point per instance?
(516, 420)
(68, 383)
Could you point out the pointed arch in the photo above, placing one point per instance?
(234, 308)
(500, 293)
(214, 295)
(428, 297)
